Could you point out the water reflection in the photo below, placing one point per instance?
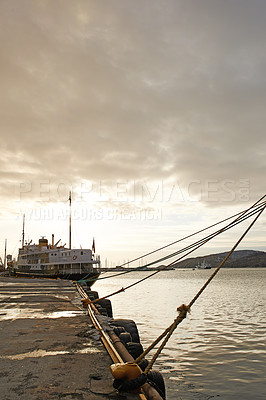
(45, 353)
(219, 350)
(18, 313)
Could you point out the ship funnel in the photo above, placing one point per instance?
(43, 243)
(52, 241)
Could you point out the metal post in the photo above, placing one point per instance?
(23, 231)
(5, 254)
(69, 220)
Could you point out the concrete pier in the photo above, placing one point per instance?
(48, 347)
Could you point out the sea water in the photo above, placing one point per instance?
(218, 351)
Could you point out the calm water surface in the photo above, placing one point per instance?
(218, 351)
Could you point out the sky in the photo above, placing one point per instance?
(151, 112)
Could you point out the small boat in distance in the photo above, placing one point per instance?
(44, 260)
(203, 265)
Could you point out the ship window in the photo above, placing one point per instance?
(81, 253)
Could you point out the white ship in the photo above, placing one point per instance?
(44, 260)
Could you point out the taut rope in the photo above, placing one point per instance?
(183, 309)
(244, 215)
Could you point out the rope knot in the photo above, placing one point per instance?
(85, 302)
(183, 310)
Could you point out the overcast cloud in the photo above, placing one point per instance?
(133, 91)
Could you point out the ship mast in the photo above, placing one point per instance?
(69, 220)
(5, 255)
(23, 231)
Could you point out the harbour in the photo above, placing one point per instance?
(49, 347)
(132, 205)
(219, 350)
(31, 305)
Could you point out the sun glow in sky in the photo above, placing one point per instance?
(151, 113)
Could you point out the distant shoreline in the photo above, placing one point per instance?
(239, 259)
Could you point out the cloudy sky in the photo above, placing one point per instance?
(151, 112)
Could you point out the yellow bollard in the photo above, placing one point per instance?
(128, 371)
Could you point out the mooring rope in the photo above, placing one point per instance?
(183, 309)
(249, 212)
(192, 234)
(256, 208)
(204, 240)
(92, 279)
(197, 244)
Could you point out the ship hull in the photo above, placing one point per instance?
(89, 277)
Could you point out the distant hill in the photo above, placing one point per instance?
(239, 259)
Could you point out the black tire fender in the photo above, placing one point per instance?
(125, 337)
(143, 364)
(92, 294)
(135, 349)
(101, 310)
(119, 329)
(129, 326)
(155, 378)
(106, 303)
